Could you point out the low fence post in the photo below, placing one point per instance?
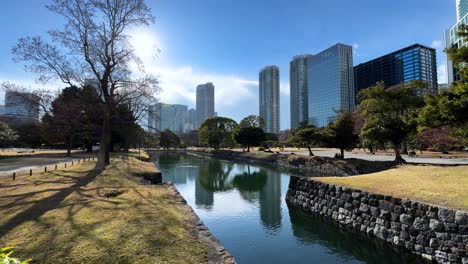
(14, 175)
(65, 164)
(30, 172)
(72, 162)
(45, 169)
(55, 167)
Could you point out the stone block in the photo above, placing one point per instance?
(406, 219)
(364, 208)
(446, 215)
(398, 242)
(421, 224)
(356, 195)
(386, 205)
(461, 217)
(380, 232)
(436, 225)
(434, 243)
(374, 211)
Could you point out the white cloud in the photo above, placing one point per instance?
(284, 88)
(442, 73)
(179, 83)
(356, 46)
(437, 44)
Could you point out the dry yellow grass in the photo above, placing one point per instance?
(64, 217)
(444, 186)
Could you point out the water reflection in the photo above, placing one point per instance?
(243, 205)
(313, 230)
(254, 184)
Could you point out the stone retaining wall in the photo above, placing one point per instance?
(435, 233)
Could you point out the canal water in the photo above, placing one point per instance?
(244, 206)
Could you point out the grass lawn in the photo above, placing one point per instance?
(437, 185)
(63, 216)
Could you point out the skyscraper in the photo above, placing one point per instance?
(192, 119)
(453, 41)
(330, 84)
(416, 62)
(167, 116)
(269, 102)
(20, 108)
(205, 102)
(298, 90)
(462, 8)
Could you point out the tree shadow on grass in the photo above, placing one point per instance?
(46, 204)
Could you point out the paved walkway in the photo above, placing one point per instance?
(10, 165)
(385, 157)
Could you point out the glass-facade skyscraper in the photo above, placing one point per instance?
(205, 102)
(452, 40)
(462, 8)
(330, 84)
(269, 101)
(298, 90)
(167, 116)
(416, 62)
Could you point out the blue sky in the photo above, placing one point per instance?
(228, 41)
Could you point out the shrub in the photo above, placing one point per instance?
(261, 149)
(5, 258)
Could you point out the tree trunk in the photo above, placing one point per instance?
(398, 158)
(89, 148)
(310, 151)
(69, 146)
(248, 148)
(105, 142)
(342, 153)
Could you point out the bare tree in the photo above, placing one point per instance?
(93, 47)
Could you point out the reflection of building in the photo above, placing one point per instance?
(20, 108)
(415, 62)
(270, 201)
(330, 84)
(269, 101)
(298, 90)
(452, 40)
(205, 102)
(167, 116)
(203, 197)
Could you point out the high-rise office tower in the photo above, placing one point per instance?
(330, 84)
(167, 116)
(192, 119)
(205, 102)
(416, 62)
(454, 41)
(269, 101)
(298, 90)
(462, 8)
(21, 105)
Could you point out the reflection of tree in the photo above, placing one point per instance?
(310, 229)
(167, 159)
(214, 175)
(270, 201)
(250, 182)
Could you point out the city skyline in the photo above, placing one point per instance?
(211, 55)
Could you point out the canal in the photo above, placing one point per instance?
(244, 207)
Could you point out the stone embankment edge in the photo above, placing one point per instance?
(435, 233)
(216, 252)
(319, 168)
